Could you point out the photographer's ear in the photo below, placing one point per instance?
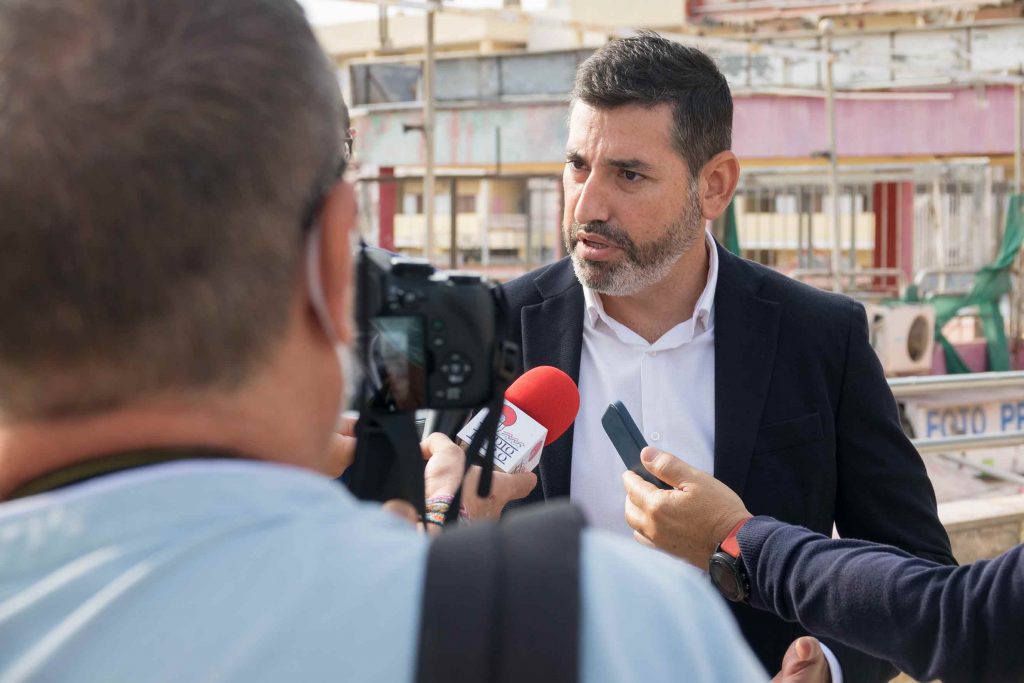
(333, 268)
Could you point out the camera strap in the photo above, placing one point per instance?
(388, 462)
(112, 463)
(501, 601)
(507, 362)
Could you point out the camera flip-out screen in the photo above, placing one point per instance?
(397, 357)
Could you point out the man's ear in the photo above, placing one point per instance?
(718, 180)
(337, 220)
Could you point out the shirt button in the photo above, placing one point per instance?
(655, 436)
(652, 354)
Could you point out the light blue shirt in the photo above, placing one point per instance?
(248, 571)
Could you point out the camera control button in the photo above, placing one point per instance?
(456, 369)
(453, 393)
(438, 341)
(437, 324)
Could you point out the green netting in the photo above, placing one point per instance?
(990, 284)
(732, 235)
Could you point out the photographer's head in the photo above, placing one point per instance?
(164, 164)
(648, 160)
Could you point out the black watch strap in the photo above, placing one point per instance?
(726, 568)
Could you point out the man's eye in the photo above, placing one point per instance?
(577, 164)
(631, 176)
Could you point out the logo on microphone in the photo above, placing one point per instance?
(507, 419)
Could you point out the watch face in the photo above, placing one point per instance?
(723, 575)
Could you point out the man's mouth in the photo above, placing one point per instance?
(594, 241)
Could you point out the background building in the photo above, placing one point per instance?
(926, 135)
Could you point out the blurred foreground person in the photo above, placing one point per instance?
(174, 291)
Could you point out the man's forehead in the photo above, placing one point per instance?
(626, 129)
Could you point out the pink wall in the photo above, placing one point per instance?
(765, 126)
(971, 122)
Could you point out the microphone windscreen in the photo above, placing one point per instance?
(549, 396)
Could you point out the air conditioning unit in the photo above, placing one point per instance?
(903, 336)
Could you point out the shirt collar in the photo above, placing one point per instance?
(703, 312)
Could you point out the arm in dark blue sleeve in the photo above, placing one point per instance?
(931, 620)
(883, 493)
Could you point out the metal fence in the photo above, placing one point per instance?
(500, 225)
(931, 224)
(869, 59)
(954, 213)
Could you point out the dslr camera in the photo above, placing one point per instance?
(428, 339)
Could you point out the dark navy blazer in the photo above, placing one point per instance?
(958, 624)
(806, 428)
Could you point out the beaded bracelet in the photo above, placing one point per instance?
(437, 509)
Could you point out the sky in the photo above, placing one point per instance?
(322, 12)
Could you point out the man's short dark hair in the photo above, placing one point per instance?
(648, 70)
(157, 159)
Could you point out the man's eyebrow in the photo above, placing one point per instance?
(630, 165)
(624, 164)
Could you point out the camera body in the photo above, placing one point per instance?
(430, 339)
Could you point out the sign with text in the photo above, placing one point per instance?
(972, 414)
(519, 443)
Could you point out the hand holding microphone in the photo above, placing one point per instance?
(539, 407)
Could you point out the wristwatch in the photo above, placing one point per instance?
(727, 570)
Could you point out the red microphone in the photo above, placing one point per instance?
(549, 396)
(539, 407)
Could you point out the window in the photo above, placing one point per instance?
(412, 204)
(759, 203)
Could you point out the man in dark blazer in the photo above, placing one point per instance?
(773, 382)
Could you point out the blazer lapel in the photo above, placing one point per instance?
(746, 333)
(553, 335)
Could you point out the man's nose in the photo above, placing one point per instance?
(592, 202)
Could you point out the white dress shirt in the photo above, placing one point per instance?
(669, 389)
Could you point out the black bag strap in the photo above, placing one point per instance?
(502, 601)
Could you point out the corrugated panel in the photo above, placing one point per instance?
(997, 48)
(384, 83)
(872, 56)
(547, 74)
(802, 73)
(931, 51)
(466, 79)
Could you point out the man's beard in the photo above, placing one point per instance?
(642, 265)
